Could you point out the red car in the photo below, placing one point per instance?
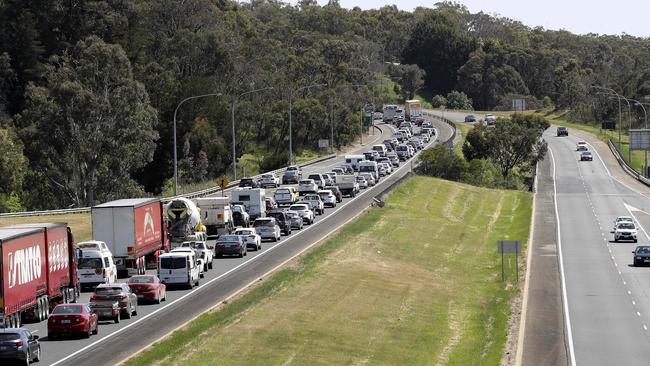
(68, 319)
(148, 287)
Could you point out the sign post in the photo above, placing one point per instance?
(223, 183)
(506, 247)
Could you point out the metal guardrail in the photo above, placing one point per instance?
(628, 169)
(200, 193)
(450, 141)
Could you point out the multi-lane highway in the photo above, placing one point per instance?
(116, 342)
(607, 300)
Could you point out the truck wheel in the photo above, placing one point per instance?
(210, 265)
(96, 329)
(116, 320)
(135, 309)
(127, 314)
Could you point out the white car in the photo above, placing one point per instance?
(363, 183)
(315, 203)
(267, 228)
(328, 198)
(307, 186)
(625, 230)
(387, 166)
(304, 211)
(202, 251)
(582, 146)
(369, 178)
(490, 119)
(623, 219)
(329, 179)
(382, 170)
(250, 236)
(269, 180)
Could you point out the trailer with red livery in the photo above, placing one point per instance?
(39, 271)
(135, 232)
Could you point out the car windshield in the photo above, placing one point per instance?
(172, 262)
(324, 194)
(67, 309)
(141, 279)
(265, 222)
(267, 176)
(244, 232)
(9, 336)
(89, 263)
(298, 207)
(229, 238)
(626, 225)
(306, 182)
(108, 291)
(643, 250)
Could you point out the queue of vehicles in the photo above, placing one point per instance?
(44, 270)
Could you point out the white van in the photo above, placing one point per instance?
(369, 167)
(354, 160)
(95, 264)
(381, 149)
(179, 268)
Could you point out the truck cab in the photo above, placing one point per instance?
(95, 264)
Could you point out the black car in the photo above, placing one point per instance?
(282, 219)
(641, 255)
(291, 177)
(336, 192)
(248, 182)
(562, 131)
(19, 344)
(470, 118)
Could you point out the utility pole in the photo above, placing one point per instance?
(232, 119)
(174, 130)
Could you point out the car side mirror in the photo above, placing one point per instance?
(633, 252)
(211, 247)
(35, 337)
(611, 232)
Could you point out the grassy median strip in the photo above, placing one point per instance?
(417, 282)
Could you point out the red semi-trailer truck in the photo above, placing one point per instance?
(39, 270)
(134, 230)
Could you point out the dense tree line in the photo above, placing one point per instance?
(88, 89)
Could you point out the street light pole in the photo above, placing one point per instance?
(232, 119)
(174, 128)
(629, 114)
(645, 126)
(290, 122)
(620, 121)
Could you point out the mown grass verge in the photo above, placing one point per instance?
(80, 223)
(417, 282)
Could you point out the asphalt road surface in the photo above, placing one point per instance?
(115, 342)
(607, 300)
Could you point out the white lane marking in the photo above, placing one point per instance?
(565, 299)
(629, 292)
(645, 327)
(633, 302)
(198, 289)
(638, 314)
(613, 177)
(632, 208)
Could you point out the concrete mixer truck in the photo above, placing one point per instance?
(184, 219)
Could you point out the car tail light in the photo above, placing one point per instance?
(252, 236)
(20, 343)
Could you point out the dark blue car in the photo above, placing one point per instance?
(19, 344)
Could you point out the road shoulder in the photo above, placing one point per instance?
(543, 333)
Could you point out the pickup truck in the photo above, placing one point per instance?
(285, 196)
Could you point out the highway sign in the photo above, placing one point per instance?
(323, 143)
(223, 183)
(640, 139)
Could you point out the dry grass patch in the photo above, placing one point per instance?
(80, 223)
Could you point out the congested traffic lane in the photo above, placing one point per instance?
(608, 299)
(117, 341)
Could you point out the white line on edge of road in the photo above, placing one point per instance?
(120, 330)
(565, 299)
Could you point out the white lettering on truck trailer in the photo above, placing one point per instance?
(58, 255)
(24, 266)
